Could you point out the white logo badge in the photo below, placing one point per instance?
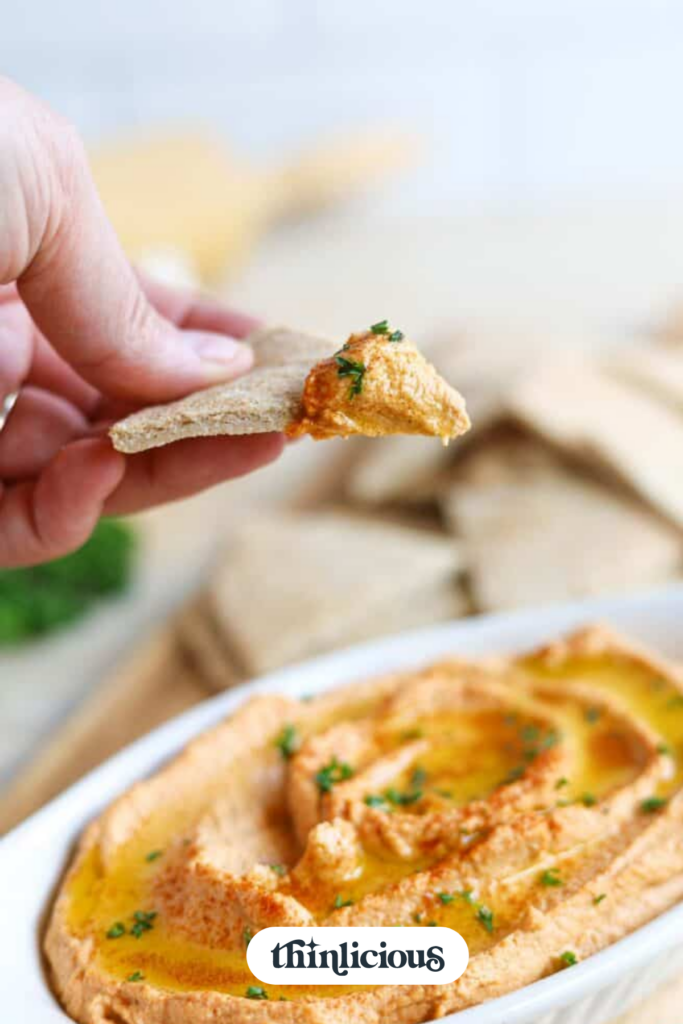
(357, 956)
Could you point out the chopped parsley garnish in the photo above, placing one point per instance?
(340, 902)
(153, 855)
(591, 715)
(561, 783)
(417, 917)
(116, 930)
(432, 924)
(514, 774)
(353, 369)
(394, 796)
(375, 800)
(247, 936)
(530, 733)
(550, 878)
(288, 742)
(598, 899)
(256, 992)
(652, 804)
(332, 773)
(568, 958)
(445, 897)
(588, 799)
(664, 749)
(381, 327)
(144, 922)
(279, 869)
(418, 778)
(467, 895)
(485, 918)
(447, 794)
(136, 976)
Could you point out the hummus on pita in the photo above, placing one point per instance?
(533, 804)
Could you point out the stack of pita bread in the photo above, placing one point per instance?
(569, 484)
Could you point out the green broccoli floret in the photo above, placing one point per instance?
(42, 598)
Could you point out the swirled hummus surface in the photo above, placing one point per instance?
(532, 804)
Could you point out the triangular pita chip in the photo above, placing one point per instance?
(295, 585)
(605, 423)
(534, 531)
(377, 384)
(656, 370)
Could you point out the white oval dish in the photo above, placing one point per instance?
(33, 856)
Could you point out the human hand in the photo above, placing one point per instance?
(86, 340)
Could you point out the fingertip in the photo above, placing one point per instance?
(222, 357)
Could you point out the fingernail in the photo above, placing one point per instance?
(224, 352)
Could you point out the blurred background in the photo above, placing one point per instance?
(504, 182)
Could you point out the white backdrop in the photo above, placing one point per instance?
(521, 99)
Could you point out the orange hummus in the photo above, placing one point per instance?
(377, 384)
(533, 804)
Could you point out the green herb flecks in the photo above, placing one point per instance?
(247, 936)
(288, 742)
(116, 930)
(485, 918)
(588, 799)
(403, 799)
(136, 976)
(353, 369)
(652, 804)
(376, 800)
(153, 855)
(332, 773)
(256, 992)
(568, 958)
(143, 921)
(550, 878)
(561, 783)
(340, 902)
(592, 715)
(597, 900)
(279, 869)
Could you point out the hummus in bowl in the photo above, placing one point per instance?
(531, 803)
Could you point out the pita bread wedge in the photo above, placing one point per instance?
(266, 399)
(377, 384)
(607, 425)
(204, 637)
(658, 371)
(295, 585)
(534, 531)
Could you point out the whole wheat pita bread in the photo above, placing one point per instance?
(204, 638)
(534, 531)
(658, 371)
(264, 400)
(608, 425)
(295, 585)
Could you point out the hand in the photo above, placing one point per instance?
(87, 340)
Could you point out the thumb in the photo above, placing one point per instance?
(73, 276)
